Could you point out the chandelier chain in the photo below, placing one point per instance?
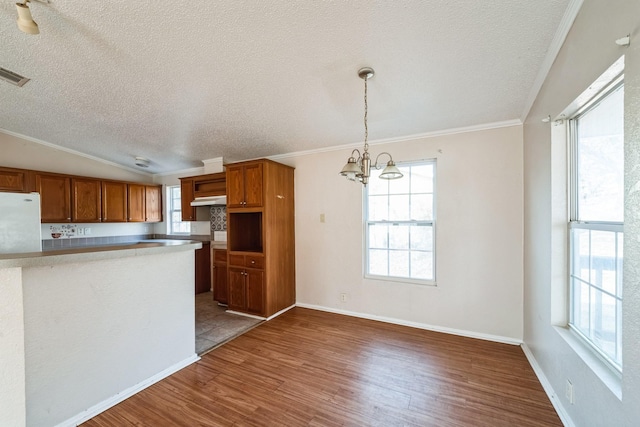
(366, 128)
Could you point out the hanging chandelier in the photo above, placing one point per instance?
(358, 168)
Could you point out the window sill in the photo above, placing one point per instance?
(401, 280)
(608, 375)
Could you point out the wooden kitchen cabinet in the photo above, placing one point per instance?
(186, 197)
(246, 290)
(261, 237)
(136, 203)
(219, 276)
(55, 197)
(15, 180)
(244, 185)
(86, 198)
(153, 203)
(114, 201)
(203, 268)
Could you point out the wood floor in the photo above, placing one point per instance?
(310, 368)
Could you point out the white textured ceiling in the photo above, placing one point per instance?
(178, 82)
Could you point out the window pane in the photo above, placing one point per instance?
(422, 237)
(422, 265)
(421, 207)
(600, 190)
(378, 208)
(422, 179)
(603, 260)
(378, 236)
(399, 237)
(399, 208)
(377, 185)
(603, 322)
(378, 262)
(399, 263)
(581, 243)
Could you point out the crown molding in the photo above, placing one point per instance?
(444, 132)
(74, 152)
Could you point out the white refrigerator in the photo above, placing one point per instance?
(20, 229)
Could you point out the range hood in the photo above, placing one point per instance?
(209, 201)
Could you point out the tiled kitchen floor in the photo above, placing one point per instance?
(214, 326)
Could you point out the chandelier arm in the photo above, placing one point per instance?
(375, 165)
(366, 127)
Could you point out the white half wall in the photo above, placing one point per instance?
(12, 362)
(478, 236)
(588, 51)
(95, 329)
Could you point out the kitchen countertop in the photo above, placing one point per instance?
(93, 253)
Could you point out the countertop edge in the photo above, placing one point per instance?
(49, 258)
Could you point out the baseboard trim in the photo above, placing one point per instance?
(452, 331)
(239, 313)
(546, 385)
(127, 393)
(280, 312)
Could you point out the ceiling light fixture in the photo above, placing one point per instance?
(26, 24)
(142, 162)
(358, 169)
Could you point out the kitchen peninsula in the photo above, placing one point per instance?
(83, 329)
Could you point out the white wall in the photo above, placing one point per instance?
(478, 240)
(588, 51)
(95, 329)
(12, 356)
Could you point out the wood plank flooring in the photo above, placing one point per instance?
(311, 368)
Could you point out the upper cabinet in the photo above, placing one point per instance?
(153, 203)
(86, 199)
(114, 201)
(136, 201)
(69, 198)
(186, 197)
(16, 180)
(244, 185)
(55, 197)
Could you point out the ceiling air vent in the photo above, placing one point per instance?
(12, 77)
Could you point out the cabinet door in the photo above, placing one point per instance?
(253, 185)
(235, 186)
(255, 291)
(153, 203)
(220, 289)
(136, 203)
(17, 180)
(186, 197)
(236, 289)
(114, 201)
(86, 200)
(55, 197)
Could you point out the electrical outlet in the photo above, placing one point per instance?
(87, 231)
(321, 217)
(343, 297)
(569, 392)
(80, 231)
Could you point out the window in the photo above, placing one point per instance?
(596, 222)
(399, 224)
(176, 225)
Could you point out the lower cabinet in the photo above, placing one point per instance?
(203, 269)
(219, 276)
(246, 290)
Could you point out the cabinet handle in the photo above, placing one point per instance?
(253, 262)
(68, 219)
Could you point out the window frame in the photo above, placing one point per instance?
(575, 223)
(171, 209)
(431, 223)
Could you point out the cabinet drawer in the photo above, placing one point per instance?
(220, 256)
(236, 260)
(254, 261)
